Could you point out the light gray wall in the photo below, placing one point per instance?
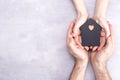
(32, 39)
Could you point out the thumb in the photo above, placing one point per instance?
(79, 22)
(105, 25)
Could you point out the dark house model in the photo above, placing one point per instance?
(90, 32)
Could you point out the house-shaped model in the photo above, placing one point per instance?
(90, 32)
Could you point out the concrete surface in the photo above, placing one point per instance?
(32, 39)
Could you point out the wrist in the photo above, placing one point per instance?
(81, 66)
(78, 72)
(98, 18)
(82, 63)
(98, 15)
(83, 14)
(98, 65)
(101, 71)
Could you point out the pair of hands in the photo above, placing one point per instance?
(99, 55)
(104, 33)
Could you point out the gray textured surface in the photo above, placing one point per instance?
(32, 39)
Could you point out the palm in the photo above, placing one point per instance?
(105, 25)
(77, 50)
(80, 21)
(100, 56)
(81, 53)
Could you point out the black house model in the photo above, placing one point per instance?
(90, 32)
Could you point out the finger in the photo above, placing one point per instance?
(102, 43)
(77, 32)
(69, 32)
(104, 24)
(103, 29)
(91, 47)
(97, 21)
(77, 40)
(79, 22)
(72, 41)
(77, 36)
(80, 39)
(68, 41)
(80, 42)
(108, 43)
(95, 48)
(110, 39)
(86, 47)
(71, 28)
(102, 33)
(111, 31)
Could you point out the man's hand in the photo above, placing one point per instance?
(100, 57)
(79, 53)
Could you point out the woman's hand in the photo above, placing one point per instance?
(105, 32)
(76, 31)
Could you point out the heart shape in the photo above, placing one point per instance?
(91, 27)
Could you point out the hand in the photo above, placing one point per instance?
(104, 23)
(79, 54)
(99, 58)
(79, 22)
(76, 50)
(100, 21)
(102, 41)
(99, 16)
(104, 33)
(82, 18)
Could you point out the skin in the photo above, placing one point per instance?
(99, 58)
(80, 55)
(81, 18)
(100, 54)
(99, 17)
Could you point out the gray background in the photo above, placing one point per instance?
(33, 35)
